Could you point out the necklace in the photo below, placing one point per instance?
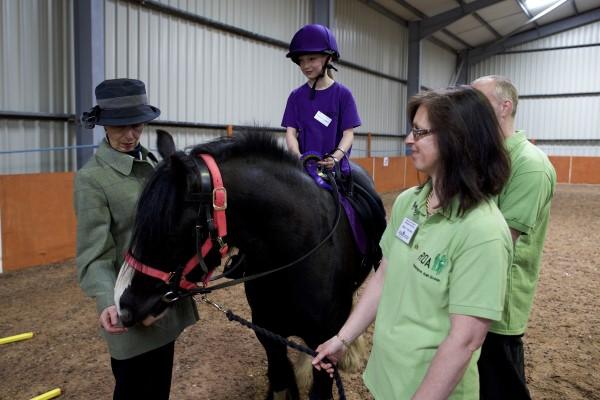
(428, 203)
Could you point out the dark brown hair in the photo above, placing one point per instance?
(474, 164)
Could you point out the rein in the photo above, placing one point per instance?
(211, 182)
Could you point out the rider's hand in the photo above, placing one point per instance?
(333, 349)
(328, 162)
(109, 320)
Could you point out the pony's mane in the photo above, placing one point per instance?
(248, 144)
(158, 208)
(159, 205)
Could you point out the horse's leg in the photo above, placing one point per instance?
(321, 388)
(282, 382)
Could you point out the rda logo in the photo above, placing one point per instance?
(415, 208)
(439, 262)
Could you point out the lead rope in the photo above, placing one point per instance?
(273, 336)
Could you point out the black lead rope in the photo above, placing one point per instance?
(280, 339)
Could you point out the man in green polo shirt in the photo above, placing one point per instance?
(525, 204)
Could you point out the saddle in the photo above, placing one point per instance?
(370, 211)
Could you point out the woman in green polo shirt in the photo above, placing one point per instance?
(446, 252)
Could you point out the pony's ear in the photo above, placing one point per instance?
(165, 144)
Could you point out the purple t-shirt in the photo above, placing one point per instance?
(320, 122)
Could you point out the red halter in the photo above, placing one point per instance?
(219, 205)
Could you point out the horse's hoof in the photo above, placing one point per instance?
(282, 395)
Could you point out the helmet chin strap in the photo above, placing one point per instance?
(326, 66)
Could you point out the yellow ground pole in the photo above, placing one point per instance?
(48, 395)
(16, 338)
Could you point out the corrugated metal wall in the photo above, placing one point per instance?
(587, 34)
(566, 118)
(437, 65)
(196, 73)
(548, 72)
(273, 18)
(240, 81)
(369, 39)
(571, 150)
(36, 75)
(570, 72)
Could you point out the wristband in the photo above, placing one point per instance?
(346, 344)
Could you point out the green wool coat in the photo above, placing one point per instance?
(106, 193)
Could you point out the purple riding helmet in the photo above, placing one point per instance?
(311, 39)
(314, 39)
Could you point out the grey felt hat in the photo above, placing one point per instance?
(120, 102)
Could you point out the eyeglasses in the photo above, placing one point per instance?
(419, 134)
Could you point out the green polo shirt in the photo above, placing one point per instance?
(450, 265)
(525, 204)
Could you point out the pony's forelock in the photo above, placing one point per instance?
(158, 210)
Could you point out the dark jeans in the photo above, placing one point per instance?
(502, 368)
(147, 376)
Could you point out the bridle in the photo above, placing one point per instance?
(212, 196)
(212, 203)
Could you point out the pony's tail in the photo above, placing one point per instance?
(352, 362)
(354, 358)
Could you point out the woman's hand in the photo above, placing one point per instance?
(333, 350)
(109, 319)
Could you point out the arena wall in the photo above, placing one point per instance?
(37, 221)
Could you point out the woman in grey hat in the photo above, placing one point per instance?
(106, 192)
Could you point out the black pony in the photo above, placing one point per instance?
(275, 214)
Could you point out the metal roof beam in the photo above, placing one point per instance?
(385, 11)
(482, 21)
(456, 38)
(433, 24)
(413, 84)
(412, 8)
(442, 44)
(89, 70)
(480, 53)
(422, 15)
(487, 25)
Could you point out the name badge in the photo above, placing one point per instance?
(407, 230)
(322, 118)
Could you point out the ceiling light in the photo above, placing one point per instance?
(534, 5)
